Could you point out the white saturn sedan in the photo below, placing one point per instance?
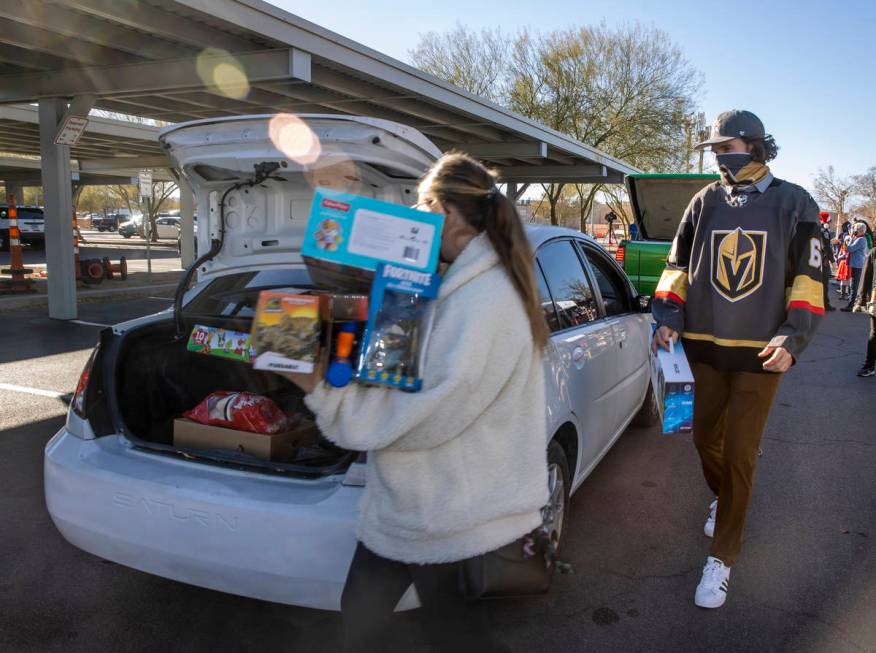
(116, 485)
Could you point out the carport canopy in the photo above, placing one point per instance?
(178, 60)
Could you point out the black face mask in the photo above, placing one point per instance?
(733, 161)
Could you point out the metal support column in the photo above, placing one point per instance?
(58, 195)
(187, 222)
(17, 190)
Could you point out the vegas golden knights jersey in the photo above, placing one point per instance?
(744, 272)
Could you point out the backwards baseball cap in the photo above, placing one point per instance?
(736, 123)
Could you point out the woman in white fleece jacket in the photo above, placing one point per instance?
(460, 468)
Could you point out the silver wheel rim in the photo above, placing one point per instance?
(553, 511)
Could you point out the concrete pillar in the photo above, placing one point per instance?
(17, 190)
(186, 214)
(59, 211)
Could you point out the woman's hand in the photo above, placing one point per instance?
(662, 337)
(310, 382)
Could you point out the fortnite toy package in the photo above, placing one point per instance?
(673, 384)
(348, 235)
(223, 343)
(400, 317)
(286, 332)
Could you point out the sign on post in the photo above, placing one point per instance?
(71, 131)
(145, 181)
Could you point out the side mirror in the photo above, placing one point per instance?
(644, 302)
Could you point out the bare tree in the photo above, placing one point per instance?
(627, 91)
(864, 186)
(833, 191)
(476, 62)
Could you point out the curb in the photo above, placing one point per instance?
(85, 296)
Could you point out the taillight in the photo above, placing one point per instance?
(619, 254)
(78, 402)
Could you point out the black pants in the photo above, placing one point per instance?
(871, 343)
(856, 281)
(373, 589)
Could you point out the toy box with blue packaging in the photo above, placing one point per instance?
(400, 315)
(673, 384)
(348, 235)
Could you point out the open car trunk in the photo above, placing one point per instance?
(659, 201)
(157, 379)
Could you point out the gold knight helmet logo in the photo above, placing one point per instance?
(737, 262)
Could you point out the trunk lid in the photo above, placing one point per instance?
(659, 201)
(265, 224)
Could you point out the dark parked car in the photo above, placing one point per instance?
(110, 222)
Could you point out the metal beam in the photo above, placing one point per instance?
(80, 26)
(549, 174)
(144, 77)
(41, 40)
(96, 124)
(123, 163)
(521, 150)
(147, 17)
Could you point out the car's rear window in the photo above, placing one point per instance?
(235, 295)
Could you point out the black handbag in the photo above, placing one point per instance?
(525, 567)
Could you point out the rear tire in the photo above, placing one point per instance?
(556, 513)
(649, 414)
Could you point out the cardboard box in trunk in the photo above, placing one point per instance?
(276, 447)
(333, 308)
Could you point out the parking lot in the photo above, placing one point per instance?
(805, 581)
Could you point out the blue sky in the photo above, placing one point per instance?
(806, 68)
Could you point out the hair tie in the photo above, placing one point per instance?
(493, 193)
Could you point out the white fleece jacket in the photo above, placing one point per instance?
(460, 468)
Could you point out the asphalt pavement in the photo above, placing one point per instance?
(806, 580)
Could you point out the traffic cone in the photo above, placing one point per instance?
(19, 283)
(79, 283)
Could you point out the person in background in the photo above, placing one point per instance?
(827, 260)
(868, 234)
(440, 460)
(633, 231)
(843, 273)
(857, 249)
(866, 302)
(742, 287)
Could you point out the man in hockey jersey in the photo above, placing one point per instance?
(743, 289)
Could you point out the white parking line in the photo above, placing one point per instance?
(97, 324)
(164, 299)
(33, 391)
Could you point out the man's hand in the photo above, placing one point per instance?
(662, 336)
(780, 359)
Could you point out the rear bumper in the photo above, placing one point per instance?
(278, 539)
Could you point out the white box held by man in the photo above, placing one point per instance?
(673, 384)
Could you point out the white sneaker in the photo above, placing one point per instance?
(709, 528)
(712, 590)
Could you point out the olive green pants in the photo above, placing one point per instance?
(730, 413)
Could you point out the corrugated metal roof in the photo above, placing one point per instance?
(179, 60)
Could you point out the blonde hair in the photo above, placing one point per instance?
(459, 181)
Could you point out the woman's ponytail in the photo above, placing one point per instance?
(458, 180)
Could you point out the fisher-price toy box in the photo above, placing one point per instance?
(673, 384)
(348, 235)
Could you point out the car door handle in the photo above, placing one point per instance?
(577, 354)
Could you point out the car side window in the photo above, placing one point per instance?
(547, 302)
(615, 298)
(572, 295)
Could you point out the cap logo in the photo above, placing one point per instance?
(742, 132)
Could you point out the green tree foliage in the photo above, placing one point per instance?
(628, 91)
